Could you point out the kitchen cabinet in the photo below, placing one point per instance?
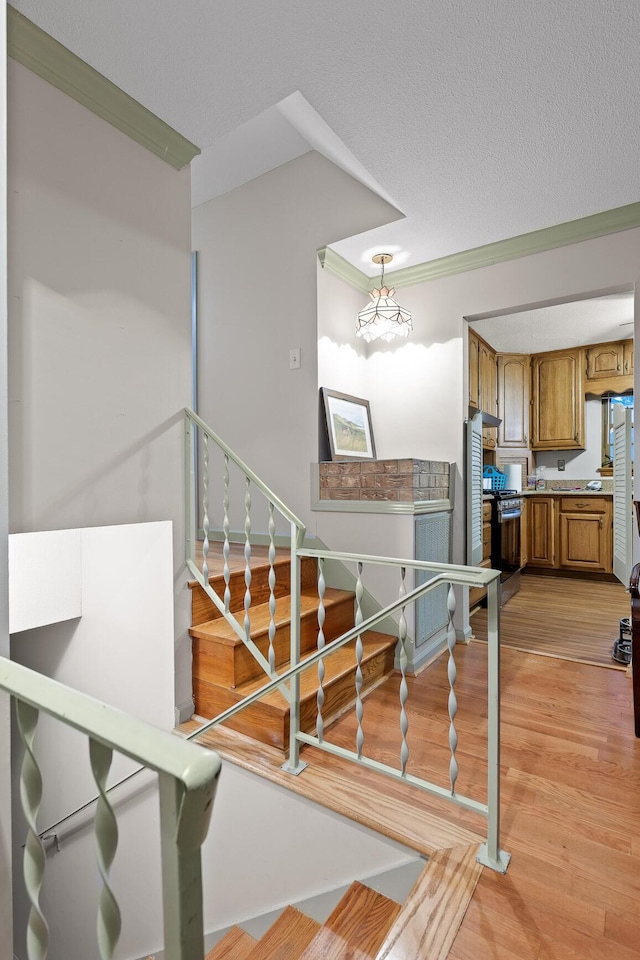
(605, 360)
(476, 594)
(483, 389)
(514, 380)
(585, 534)
(541, 531)
(609, 367)
(487, 364)
(557, 421)
(569, 532)
(474, 370)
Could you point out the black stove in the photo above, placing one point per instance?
(506, 510)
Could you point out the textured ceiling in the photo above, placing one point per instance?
(480, 119)
(561, 325)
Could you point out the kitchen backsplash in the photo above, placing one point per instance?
(573, 484)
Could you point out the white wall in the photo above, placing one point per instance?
(99, 326)
(5, 734)
(258, 299)
(121, 652)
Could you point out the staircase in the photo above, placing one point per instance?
(370, 926)
(225, 671)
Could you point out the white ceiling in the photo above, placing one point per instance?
(480, 120)
(561, 325)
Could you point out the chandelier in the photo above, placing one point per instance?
(383, 318)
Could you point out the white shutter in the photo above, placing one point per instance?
(622, 493)
(474, 490)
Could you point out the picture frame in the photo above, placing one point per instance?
(348, 426)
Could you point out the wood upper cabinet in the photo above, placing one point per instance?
(585, 534)
(541, 531)
(604, 360)
(474, 370)
(488, 391)
(514, 379)
(609, 366)
(557, 421)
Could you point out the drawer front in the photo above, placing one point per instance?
(584, 504)
(486, 512)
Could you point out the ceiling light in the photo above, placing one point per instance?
(383, 318)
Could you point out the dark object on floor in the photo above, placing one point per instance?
(621, 652)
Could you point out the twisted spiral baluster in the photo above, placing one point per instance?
(106, 831)
(225, 527)
(320, 697)
(205, 507)
(359, 677)
(247, 558)
(404, 690)
(34, 855)
(272, 588)
(453, 701)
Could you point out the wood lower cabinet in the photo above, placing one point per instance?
(570, 533)
(585, 534)
(476, 594)
(541, 514)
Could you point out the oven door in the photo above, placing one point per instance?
(505, 538)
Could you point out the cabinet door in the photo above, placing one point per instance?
(605, 360)
(585, 541)
(514, 379)
(541, 531)
(558, 401)
(488, 392)
(627, 354)
(474, 371)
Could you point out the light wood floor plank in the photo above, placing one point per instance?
(548, 616)
(430, 919)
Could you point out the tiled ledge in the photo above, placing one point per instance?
(404, 486)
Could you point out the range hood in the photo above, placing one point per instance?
(488, 419)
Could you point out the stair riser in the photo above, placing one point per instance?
(231, 665)
(270, 724)
(204, 609)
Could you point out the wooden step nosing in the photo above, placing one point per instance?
(282, 620)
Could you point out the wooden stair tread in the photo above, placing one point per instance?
(235, 945)
(357, 926)
(337, 664)
(287, 938)
(260, 616)
(395, 809)
(430, 919)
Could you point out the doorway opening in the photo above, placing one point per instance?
(547, 372)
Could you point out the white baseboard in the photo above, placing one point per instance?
(184, 712)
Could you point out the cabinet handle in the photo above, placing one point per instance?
(619, 368)
(626, 366)
(601, 523)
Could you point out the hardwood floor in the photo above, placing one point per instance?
(570, 799)
(568, 618)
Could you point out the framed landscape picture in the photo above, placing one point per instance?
(348, 422)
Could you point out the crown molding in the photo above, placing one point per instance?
(334, 263)
(549, 238)
(53, 62)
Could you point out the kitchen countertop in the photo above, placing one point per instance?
(567, 493)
